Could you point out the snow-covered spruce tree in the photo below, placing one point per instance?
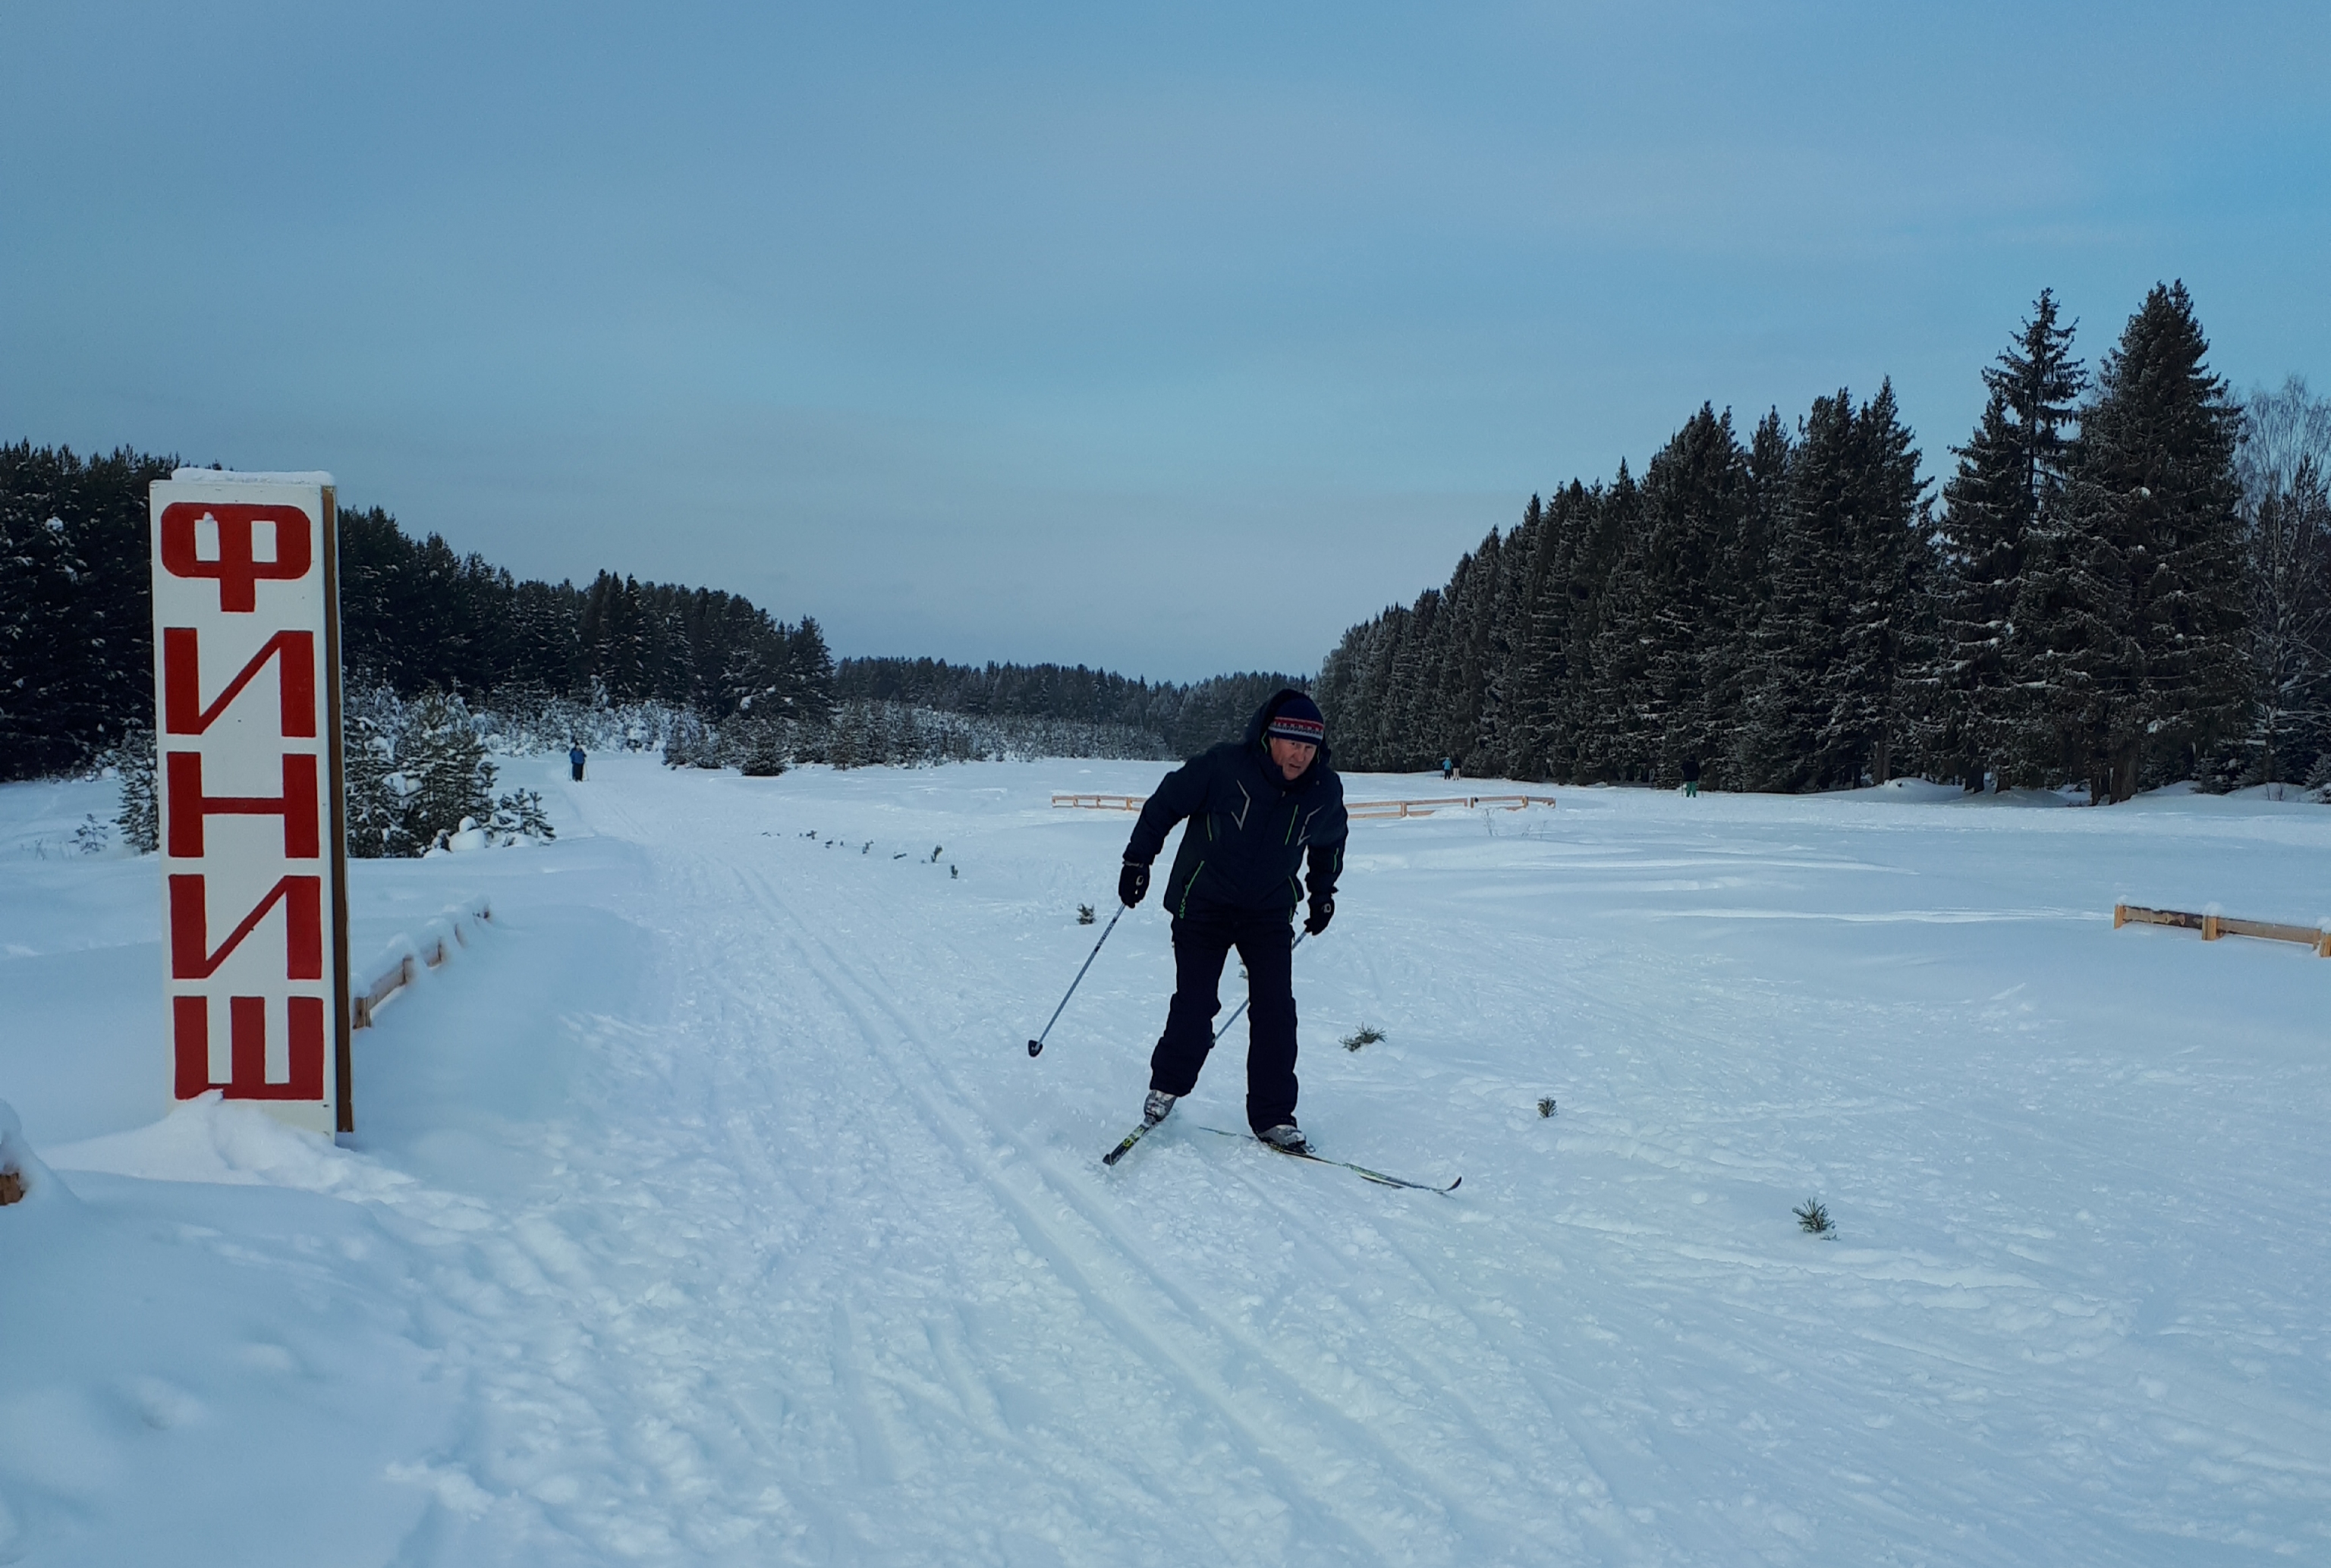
(1824, 699)
(373, 790)
(1744, 600)
(1663, 605)
(1585, 705)
(2283, 463)
(76, 640)
(2138, 614)
(1550, 724)
(1519, 555)
(443, 766)
(132, 760)
(690, 742)
(2289, 561)
(519, 816)
(2011, 471)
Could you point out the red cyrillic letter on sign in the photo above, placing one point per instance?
(296, 805)
(191, 957)
(183, 712)
(236, 568)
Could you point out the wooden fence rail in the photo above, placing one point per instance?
(1359, 811)
(2214, 926)
(430, 951)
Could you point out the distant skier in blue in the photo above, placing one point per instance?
(1260, 811)
(574, 760)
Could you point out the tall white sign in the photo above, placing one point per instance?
(247, 704)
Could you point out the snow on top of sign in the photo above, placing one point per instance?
(244, 477)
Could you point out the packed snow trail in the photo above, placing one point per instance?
(737, 1226)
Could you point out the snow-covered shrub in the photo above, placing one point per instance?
(132, 760)
(371, 789)
(690, 742)
(525, 721)
(444, 766)
(2318, 778)
(757, 746)
(414, 770)
(519, 816)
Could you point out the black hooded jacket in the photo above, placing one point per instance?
(1250, 830)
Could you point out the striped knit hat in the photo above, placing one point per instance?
(1297, 718)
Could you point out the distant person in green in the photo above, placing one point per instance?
(1690, 777)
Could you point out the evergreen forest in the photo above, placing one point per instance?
(2125, 580)
(434, 642)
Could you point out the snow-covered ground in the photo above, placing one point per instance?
(708, 1209)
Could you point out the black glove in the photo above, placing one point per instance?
(1132, 884)
(1323, 909)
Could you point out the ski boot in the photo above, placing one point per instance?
(1286, 1137)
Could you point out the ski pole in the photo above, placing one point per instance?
(1036, 1046)
(1233, 1018)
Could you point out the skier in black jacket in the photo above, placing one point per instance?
(1259, 810)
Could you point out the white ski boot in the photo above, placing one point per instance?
(1154, 1108)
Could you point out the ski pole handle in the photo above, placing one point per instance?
(1036, 1046)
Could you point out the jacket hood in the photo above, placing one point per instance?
(1262, 719)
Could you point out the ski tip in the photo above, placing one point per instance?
(1035, 1048)
(1454, 1185)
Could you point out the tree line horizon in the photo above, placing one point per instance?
(417, 618)
(2127, 579)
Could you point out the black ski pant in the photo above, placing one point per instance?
(1265, 939)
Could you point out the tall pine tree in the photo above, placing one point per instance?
(2010, 473)
(2137, 608)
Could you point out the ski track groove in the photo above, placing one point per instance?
(1147, 1340)
(944, 1135)
(1609, 1436)
(1444, 1489)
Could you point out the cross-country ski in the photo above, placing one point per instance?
(1317, 1158)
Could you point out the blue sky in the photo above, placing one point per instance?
(1173, 339)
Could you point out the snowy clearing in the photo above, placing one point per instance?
(708, 1209)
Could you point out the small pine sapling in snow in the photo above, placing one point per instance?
(91, 837)
(1084, 913)
(132, 760)
(935, 853)
(2318, 779)
(1545, 1105)
(1814, 1220)
(953, 873)
(519, 816)
(1366, 1034)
